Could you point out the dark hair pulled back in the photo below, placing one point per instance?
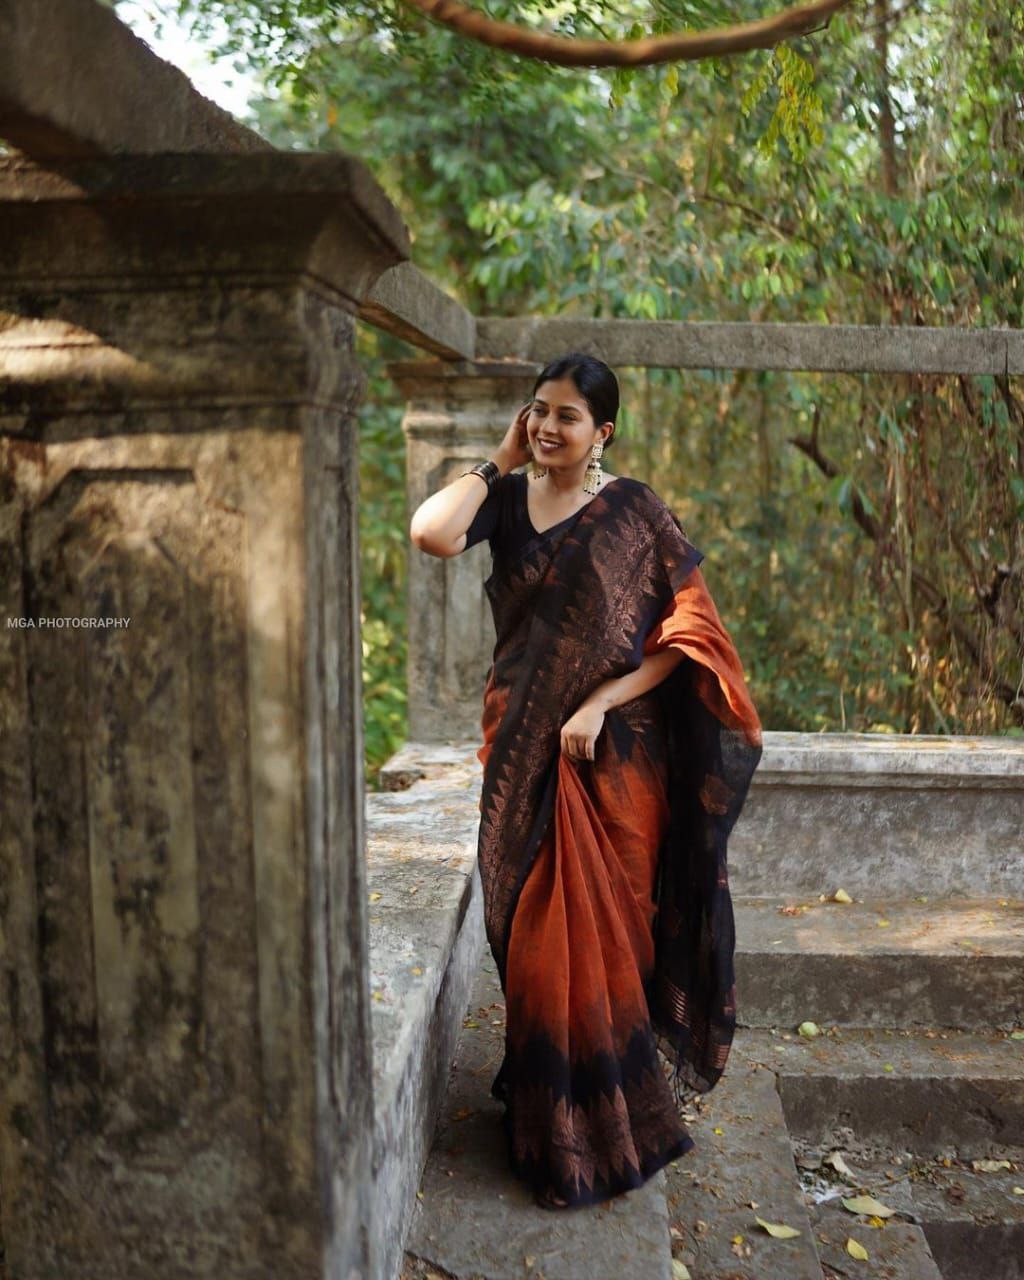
(593, 379)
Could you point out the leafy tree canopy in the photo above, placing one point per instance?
(867, 530)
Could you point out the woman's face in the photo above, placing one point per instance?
(559, 413)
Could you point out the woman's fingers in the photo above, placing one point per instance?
(578, 748)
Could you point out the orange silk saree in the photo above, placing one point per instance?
(606, 895)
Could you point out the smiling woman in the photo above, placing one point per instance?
(619, 741)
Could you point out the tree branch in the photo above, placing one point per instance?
(565, 51)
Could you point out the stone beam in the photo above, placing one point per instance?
(75, 81)
(409, 305)
(838, 348)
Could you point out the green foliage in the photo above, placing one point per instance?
(383, 537)
(857, 528)
(798, 113)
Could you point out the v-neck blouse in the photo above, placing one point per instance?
(504, 516)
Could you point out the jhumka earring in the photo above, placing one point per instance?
(593, 475)
(537, 469)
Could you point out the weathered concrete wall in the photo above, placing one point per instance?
(185, 1064)
(456, 415)
(877, 814)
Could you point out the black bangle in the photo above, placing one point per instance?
(488, 470)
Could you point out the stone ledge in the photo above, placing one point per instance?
(883, 816)
(880, 815)
(425, 933)
(890, 759)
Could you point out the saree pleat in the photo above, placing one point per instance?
(605, 886)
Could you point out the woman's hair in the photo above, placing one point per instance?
(595, 382)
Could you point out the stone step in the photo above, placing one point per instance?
(475, 1218)
(897, 1246)
(939, 1092)
(974, 1221)
(741, 1168)
(880, 963)
(897, 1251)
(950, 1219)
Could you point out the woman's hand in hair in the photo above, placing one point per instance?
(514, 448)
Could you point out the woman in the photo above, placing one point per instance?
(619, 744)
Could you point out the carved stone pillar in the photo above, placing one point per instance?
(456, 415)
(185, 1057)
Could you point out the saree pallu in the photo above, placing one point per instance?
(605, 885)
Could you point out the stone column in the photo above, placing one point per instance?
(456, 415)
(185, 1057)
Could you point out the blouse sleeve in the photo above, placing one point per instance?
(485, 522)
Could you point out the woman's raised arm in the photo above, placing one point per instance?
(440, 522)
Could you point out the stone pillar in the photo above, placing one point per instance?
(185, 1057)
(456, 415)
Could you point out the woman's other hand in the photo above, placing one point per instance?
(579, 733)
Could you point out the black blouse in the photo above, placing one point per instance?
(504, 518)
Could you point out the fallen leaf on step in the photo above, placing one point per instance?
(680, 1271)
(989, 1166)
(809, 1030)
(376, 897)
(840, 895)
(867, 1204)
(838, 1163)
(777, 1229)
(855, 1249)
(1018, 1191)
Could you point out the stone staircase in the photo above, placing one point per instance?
(914, 1077)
